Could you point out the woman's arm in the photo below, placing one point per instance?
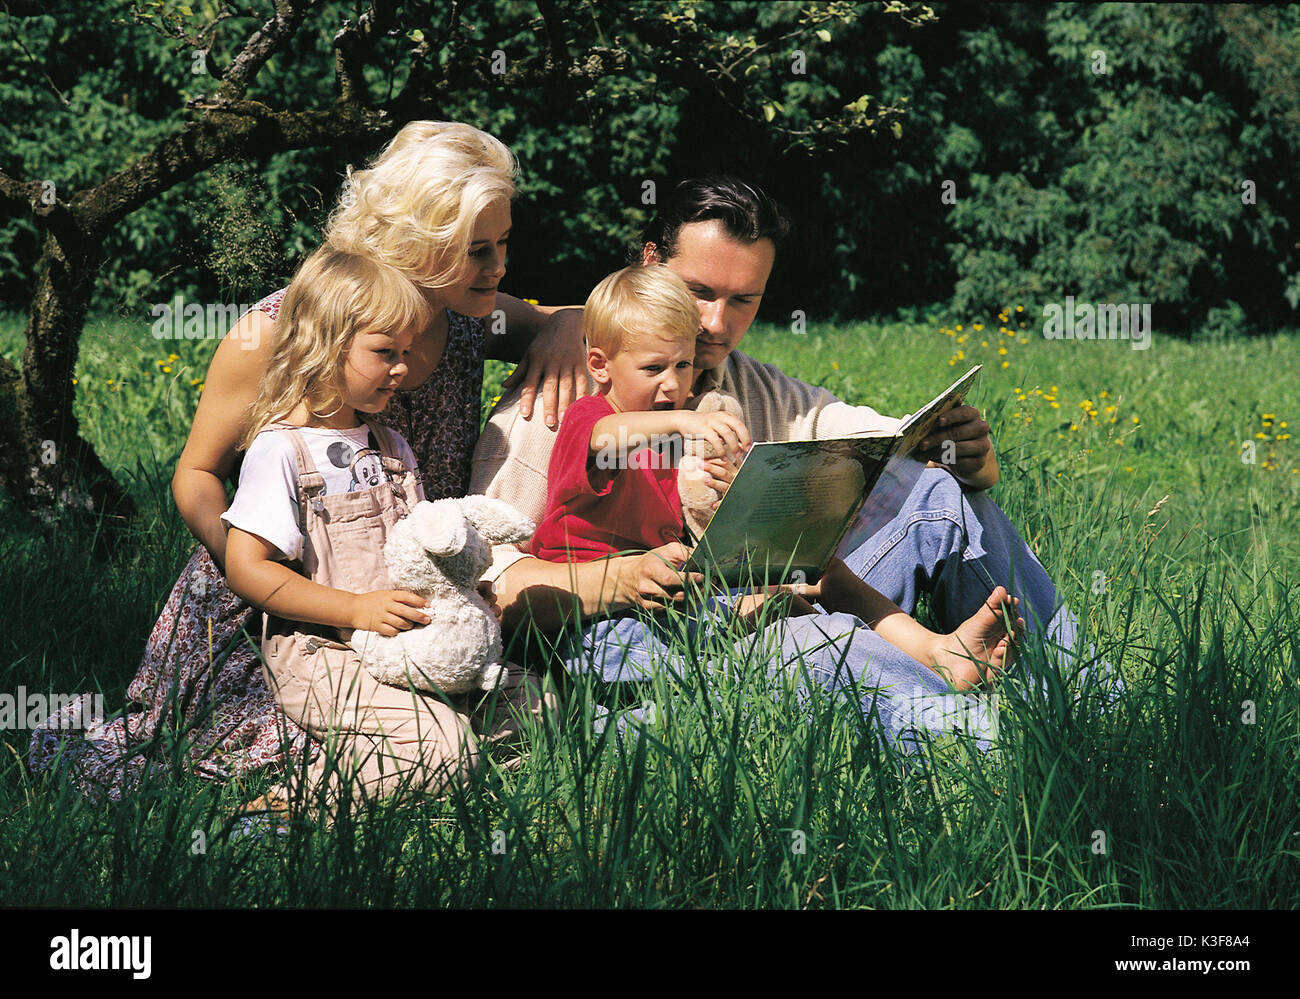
(551, 592)
(546, 342)
(256, 577)
(230, 387)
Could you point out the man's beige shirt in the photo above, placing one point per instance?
(512, 455)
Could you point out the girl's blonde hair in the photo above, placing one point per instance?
(334, 296)
(636, 300)
(415, 207)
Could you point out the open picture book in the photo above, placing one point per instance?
(794, 505)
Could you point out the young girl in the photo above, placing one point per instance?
(321, 486)
(436, 205)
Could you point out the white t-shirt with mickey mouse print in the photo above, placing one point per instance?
(266, 502)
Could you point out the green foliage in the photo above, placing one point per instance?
(1122, 186)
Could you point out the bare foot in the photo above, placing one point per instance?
(980, 649)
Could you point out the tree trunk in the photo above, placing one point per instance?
(48, 467)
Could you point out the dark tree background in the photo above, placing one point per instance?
(1121, 153)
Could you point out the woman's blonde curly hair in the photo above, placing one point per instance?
(415, 207)
(335, 295)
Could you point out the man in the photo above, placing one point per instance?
(721, 236)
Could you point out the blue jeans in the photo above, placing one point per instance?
(954, 545)
(957, 545)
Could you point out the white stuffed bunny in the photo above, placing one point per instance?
(439, 552)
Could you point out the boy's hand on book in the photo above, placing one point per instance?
(388, 611)
(726, 434)
(720, 473)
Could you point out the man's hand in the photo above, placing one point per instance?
(555, 361)
(656, 578)
(960, 443)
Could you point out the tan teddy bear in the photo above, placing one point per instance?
(697, 497)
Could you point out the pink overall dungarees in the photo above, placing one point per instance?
(377, 738)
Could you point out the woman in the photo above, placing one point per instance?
(200, 678)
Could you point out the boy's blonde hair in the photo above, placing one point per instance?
(415, 207)
(334, 296)
(636, 300)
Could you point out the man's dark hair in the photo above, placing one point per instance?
(744, 210)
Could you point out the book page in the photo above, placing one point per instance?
(788, 508)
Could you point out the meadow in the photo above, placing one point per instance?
(1161, 488)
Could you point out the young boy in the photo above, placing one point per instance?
(612, 481)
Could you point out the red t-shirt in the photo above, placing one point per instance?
(592, 511)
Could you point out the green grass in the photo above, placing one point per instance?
(1180, 558)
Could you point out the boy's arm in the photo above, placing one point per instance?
(727, 433)
(255, 576)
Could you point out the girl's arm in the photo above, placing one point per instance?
(199, 483)
(546, 342)
(256, 577)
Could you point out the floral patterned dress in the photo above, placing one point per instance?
(199, 689)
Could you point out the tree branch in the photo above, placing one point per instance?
(229, 131)
(349, 43)
(261, 45)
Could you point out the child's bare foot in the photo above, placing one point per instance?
(980, 649)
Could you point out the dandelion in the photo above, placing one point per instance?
(1020, 308)
(167, 369)
(977, 326)
(1002, 351)
(1006, 364)
(1135, 419)
(835, 365)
